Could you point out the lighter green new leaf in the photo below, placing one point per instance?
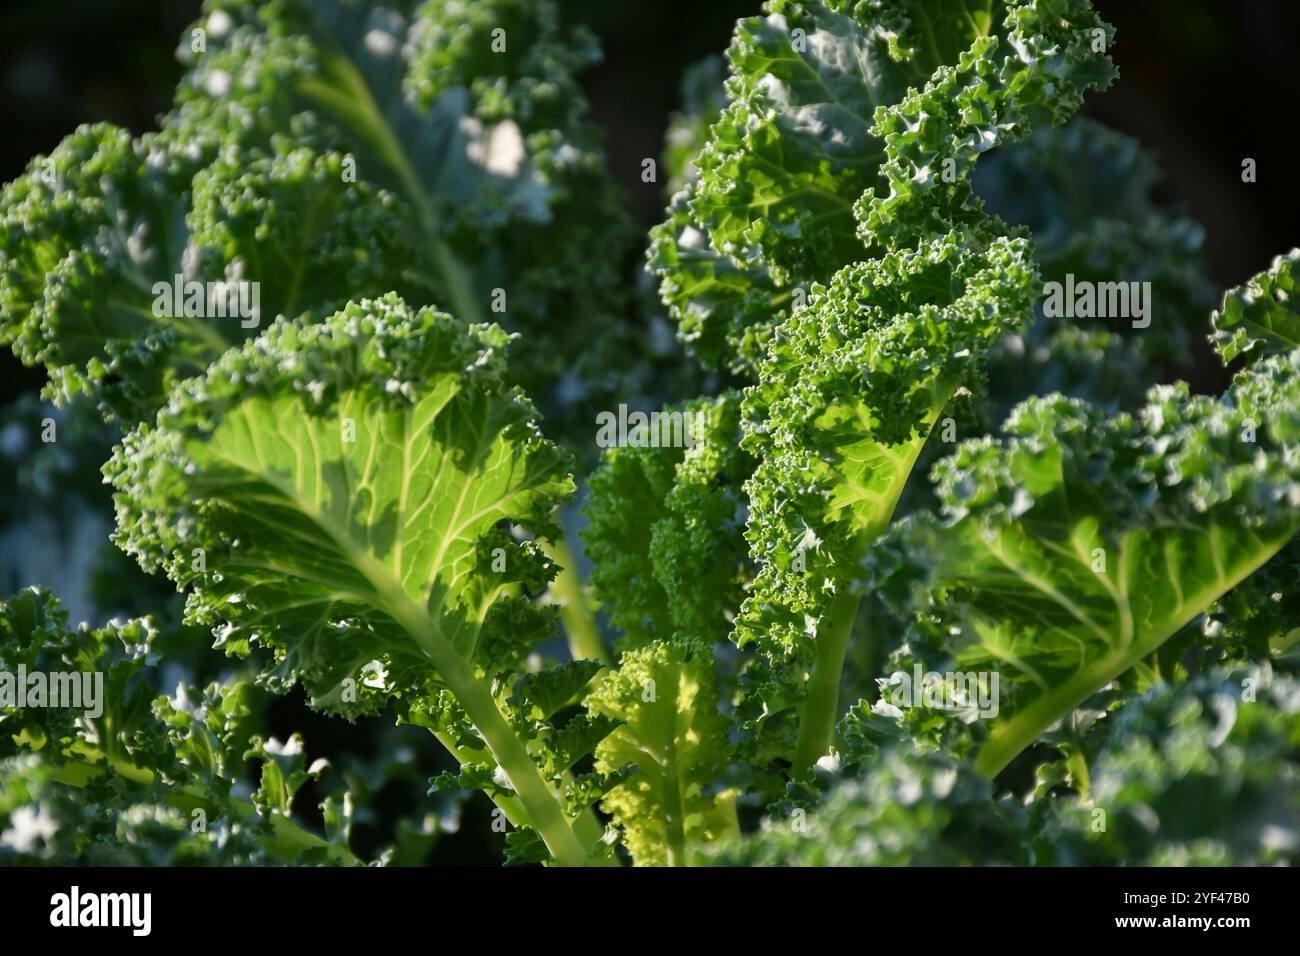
(677, 740)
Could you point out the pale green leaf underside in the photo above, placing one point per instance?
(1055, 629)
(393, 513)
(870, 476)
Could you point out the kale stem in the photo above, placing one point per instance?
(586, 825)
(575, 610)
(820, 710)
(541, 803)
(555, 829)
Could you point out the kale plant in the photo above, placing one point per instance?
(927, 556)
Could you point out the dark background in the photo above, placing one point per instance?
(1204, 84)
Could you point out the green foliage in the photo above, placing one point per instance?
(914, 808)
(1258, 318)
(703, 97)
(911, 285)
(1183, 775)
(836, 447)
(676, 741)
(1085, 194)
(325, 484)
(830, 250)
(1199, 774)
(899, 462)
(329, 151)
(150, 780)
(338, 493)
(665, 531)
(1078, 545)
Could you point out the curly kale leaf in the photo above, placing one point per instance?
(321, 471)
(1035, 70)
(90, 289)
(470, 114)
(833, 204)
(342, 494)
(811, 124)
(1076, 545)
(1259, 618)
(665, 531)
(1258, 318)
(675, 742)
(133, 778)
(1197, 773)
(724, 306)
(913, 807)
(327, 151)
(848, 396)
(1202, 773)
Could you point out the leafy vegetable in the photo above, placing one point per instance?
(1211, 763)
(665, 531)
(1259, 318)
(1085, 192)
(149, 780)
(899, 472)
(1078, 545)
(327, 151)
(1182, 775)
(336, 492)
(909, 285)
(836, 448)
(677, 741)
(915, 808)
